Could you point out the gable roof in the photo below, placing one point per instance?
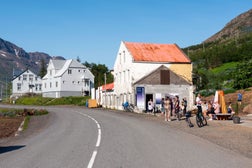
(150, 52)
(64, 65)
(154, 77)
(19, 73)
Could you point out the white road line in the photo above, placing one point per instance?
(92, 159)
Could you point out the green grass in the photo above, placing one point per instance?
(42, 101)
(224, 68)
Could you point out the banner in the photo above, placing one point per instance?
(140, 97)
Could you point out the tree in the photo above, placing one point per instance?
(43, 69)
(99, 71)
(243, 75)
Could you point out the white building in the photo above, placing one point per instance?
(144, 71)
(67, 78)
(26, 82)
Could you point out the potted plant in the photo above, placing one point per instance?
(236, 118)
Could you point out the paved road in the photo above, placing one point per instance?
(79, 137)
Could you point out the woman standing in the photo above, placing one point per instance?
(167, 107)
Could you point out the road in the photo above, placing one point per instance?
(78, 137)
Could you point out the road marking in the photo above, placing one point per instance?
(98, 142)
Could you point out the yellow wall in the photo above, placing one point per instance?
(183, 70)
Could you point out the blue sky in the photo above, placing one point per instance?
(93, 29)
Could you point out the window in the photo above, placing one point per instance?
(45, 85)
(129, 75)
(36, 78)
(86, 82)
(40, 87)
(19, 78)
(56, 84)
(24, 77)
(36, 87)
(30, 77)
(50, 84)
(19, 86)
(124, 57)
(164, 77)
(69, 71)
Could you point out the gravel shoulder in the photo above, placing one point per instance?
(224, 133)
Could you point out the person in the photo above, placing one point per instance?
(204, 107)
(184, 105)
(162, 106)
(167, 108)
(177, 107)
(198, 102)
(216, 106)
(173, 106)
(210, 110)
(150, 106)
(239, 99)
(230, 109)
(125, 105)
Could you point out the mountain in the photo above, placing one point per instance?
(15, 58)
(238, 26)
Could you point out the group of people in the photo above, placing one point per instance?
(210, 108)
(172, 107)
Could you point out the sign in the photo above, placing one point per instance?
(140, 93)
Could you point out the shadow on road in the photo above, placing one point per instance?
(10, 148)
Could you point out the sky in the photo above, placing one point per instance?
(92, 30)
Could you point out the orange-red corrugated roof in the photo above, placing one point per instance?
(150, 52)
(109, 86)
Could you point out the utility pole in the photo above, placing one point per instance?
(105, 80)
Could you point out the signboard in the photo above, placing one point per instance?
(140, 97)
(158, 98)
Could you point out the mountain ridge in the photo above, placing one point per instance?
(233, 29)
(13, 57)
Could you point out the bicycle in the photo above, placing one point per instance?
(188, 120)
(128, 107)
(200, 119)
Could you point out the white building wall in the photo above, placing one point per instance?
(127, 72)
(71, 81)
(20, 85)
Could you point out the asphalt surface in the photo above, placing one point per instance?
(79, 137)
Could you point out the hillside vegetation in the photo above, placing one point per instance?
(222, 64)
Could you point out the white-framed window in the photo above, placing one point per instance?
(86, 83)
(30, 77)
(56, 84)
(69, 71)
(24, 77)
(124, 57)
(18, 86)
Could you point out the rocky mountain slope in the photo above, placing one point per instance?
(15, 58)
(235, 28)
